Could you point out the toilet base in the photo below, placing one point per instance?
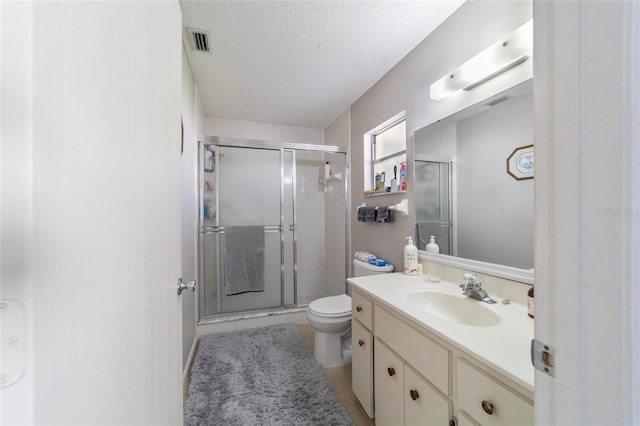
(330, 349)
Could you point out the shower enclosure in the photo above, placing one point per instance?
(272, 228)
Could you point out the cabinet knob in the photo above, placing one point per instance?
(414, 394)
(359, 308)
(361, 342)
(391, 371)
(487, 407)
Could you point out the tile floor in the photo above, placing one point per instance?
(340, 379)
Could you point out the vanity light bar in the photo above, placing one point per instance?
(496, 59)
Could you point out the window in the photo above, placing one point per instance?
(386, 147)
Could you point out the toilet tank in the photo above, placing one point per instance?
(362, 269)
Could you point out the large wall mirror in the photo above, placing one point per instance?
(473, 175)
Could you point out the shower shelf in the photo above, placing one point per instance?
(337, 177)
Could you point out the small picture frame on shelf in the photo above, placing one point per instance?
(520, 164)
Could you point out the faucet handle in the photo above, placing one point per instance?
(470, 278)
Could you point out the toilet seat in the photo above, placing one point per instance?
(332, 306)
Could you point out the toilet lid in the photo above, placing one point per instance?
(332, 306)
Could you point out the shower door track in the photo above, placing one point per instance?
(261, 144)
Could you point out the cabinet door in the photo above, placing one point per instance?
(423, 405)
(362, 366)
(389, 384)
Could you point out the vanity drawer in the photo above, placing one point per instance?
(429, 358)
(487, 401)
(362, 309)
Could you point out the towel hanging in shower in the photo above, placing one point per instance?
(244, 259)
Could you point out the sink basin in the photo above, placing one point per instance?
(453, 308)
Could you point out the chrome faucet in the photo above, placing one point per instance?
(474, 290)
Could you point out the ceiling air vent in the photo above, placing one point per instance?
(199, 40)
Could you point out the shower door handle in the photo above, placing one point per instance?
(191, 286)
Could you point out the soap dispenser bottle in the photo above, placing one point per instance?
(410, 258)
(432, 247)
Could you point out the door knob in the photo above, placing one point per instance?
(191, 286)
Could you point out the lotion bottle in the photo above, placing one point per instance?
(410, 258)
(432, 247)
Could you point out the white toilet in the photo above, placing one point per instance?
(330, 318)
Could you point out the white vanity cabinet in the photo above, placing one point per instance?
(404, 374)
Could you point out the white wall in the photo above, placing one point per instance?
(473, 27)
(188, 192)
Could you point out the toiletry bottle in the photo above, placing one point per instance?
(410, 258)
(530, 305)
(327, 171)
(432, 247)
(403, 176)
(208, 159)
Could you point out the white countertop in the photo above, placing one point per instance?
(504, 347)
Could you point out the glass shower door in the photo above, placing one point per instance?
(244, 234)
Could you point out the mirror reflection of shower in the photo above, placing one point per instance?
(433, 213)
(272, 229)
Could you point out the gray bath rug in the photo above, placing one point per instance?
(261, 376)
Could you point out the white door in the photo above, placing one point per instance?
(91, 241)
(587, 97)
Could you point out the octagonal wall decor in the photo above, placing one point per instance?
(520, 164)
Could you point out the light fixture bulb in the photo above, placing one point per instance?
(504, 54)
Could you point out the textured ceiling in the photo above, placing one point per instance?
(301, 63)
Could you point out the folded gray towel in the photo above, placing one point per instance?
(369, 214)
(361, 213)
(384, 214)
